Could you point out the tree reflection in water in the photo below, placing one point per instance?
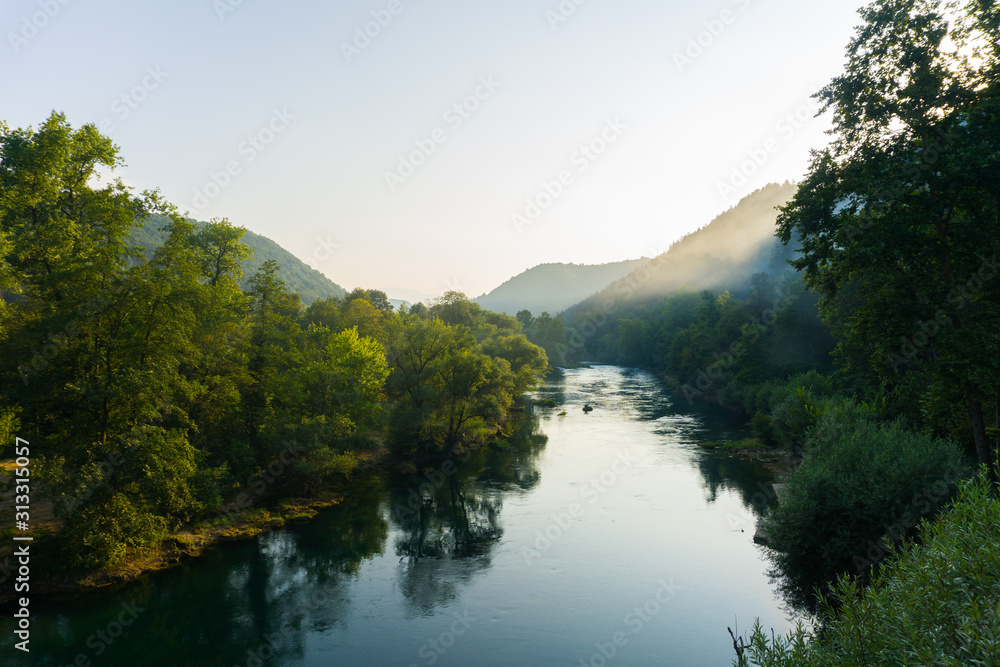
(720, 472)
(448, 538)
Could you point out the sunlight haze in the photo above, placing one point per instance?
(311, 117)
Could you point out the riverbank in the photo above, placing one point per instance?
(267, 513)
(183, 545)
(406, 551)
(780, 462)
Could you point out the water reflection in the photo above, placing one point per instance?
(724, 472)
(451, 514)
(514, 466)
(374, 579)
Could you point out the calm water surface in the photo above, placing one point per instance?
(600, 538)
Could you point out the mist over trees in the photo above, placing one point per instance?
(721, 255)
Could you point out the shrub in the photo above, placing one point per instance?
(758, 398)
(867, 486)
(104, 532)
(935, 603)
(837, 416)
(784, 412)
(761, 427)
(733, 394)
(794, 416)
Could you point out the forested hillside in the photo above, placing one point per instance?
(721, 255)
(298, 277)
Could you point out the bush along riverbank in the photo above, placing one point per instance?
(883, 516)
(262, 507)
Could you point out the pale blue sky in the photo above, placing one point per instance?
(201, 76)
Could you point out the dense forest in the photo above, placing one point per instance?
(874, 359)
(154, 388)
(167, 370)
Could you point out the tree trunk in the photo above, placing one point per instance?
(984, 450)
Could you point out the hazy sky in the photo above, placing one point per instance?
(400, 157)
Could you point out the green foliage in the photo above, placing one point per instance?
(724, 345)
(784, 412)
(159, 387)
(935, 603)
(9, 429)
(861, 486)
(301, 279)
(549, 333)
(794, 416)
(897, 217)
(761, 427)
(447, 388)
(104, 533)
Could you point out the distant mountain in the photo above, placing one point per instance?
(554, 287)
(720, 255)
(310, 284)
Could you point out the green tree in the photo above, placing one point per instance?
(104, 391)
(446, 388)
(898, 216)
(220, 250)
(528, 361)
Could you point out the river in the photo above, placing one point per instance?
(594, 538)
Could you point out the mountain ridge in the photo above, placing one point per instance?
(554, 286)
(723, 253)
